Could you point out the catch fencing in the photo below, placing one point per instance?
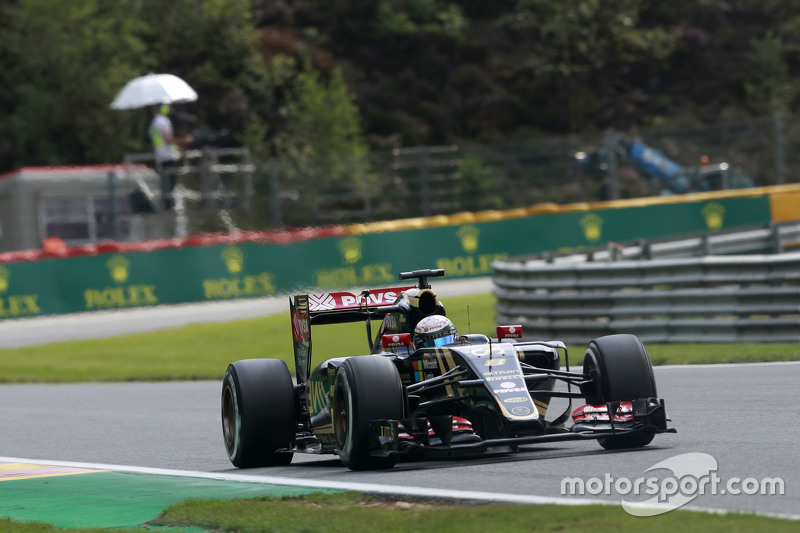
(742, 298)
(408, 182)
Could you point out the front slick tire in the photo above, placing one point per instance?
(367, 388)
(621, 370)
(258, 413)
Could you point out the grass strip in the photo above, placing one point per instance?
(203, 351)
(352, 512)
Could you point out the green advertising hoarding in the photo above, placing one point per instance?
(368, 260)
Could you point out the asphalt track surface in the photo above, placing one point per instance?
(741, 415)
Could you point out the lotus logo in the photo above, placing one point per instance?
(592, 227)
(468, 235)
(118, 268)
(350, 248)
(4, 275)
(234, 259)
(714, 214)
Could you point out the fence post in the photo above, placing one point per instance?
(611, 147)
(777, 119)
(424, 188)
(275, 196)
(646, 250)
(705, 245)
(775, 237)
(112, 203)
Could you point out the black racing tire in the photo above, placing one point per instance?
(258, 413)
(366, 388)
(620, 370)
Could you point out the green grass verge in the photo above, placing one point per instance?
(349, 512)
(352, 512)
(203, 351)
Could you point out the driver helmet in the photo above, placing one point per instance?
(434, 330)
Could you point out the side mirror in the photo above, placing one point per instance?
(509, 332)
(396, 340)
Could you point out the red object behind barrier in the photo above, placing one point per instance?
(202, 239)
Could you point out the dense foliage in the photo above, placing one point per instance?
(313, 77)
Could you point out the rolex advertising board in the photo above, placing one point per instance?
(367, 260)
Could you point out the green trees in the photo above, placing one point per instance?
(314, 78)
(62, 62)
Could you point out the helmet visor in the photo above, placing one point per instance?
(441, 341)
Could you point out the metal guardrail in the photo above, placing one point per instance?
(773, 239)
(752, 298)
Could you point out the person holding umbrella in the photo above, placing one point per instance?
(167, 149)
(159, 90)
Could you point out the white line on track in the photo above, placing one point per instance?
(496, 497)
(730, 365)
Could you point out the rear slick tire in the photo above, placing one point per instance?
(366, 388)
(258, 413)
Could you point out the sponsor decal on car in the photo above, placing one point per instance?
(329, 301)
(396, 340)
(419, 374)
(422, 369)
(300, 330)
(317, 398)
(430, 364)
(496, 375)
(509, 332)
(504, 375)
(432, 323)
(321, 302)
(516, 399)
(507, 391)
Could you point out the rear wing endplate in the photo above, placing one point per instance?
(333, 308)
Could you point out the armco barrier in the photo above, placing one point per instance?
(710, 299)
(772, 239)
(202, 268)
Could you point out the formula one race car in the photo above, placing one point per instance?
(425, 390)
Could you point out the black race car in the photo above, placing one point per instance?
(456, 395)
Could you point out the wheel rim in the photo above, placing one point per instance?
(229, 416)
(591, 371)
(340, 417)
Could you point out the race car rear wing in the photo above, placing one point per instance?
(334, 308)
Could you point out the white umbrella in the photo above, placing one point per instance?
(153, 89)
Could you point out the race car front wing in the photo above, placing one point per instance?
(387, 436)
